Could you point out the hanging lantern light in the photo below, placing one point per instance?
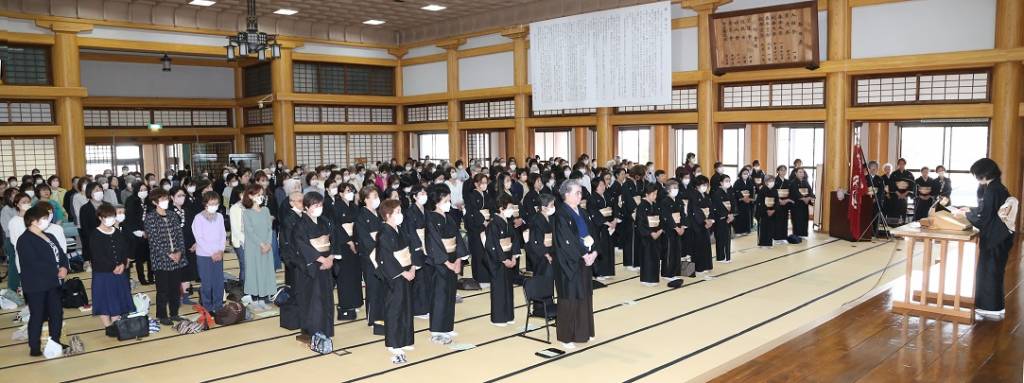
(166, 61)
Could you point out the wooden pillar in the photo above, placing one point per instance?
(759, 143)
(519, 135)
(579, 142)
(284, 112)
(401, 141)
(661, 148)
(707, 98)
(238, 116)
(1005, 135)
(605, 139)
(454, 113)
(878, 142)
(837, 127)
(67, 73)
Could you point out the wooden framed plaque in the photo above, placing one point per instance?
(782, 36)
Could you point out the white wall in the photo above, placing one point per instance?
(423, 51)
(116, 33)
(122, 79)
(22, 26)
(485, 40)
(684, 49)
(425, 78)
(922, 26)
(487, 71)
(340, 50)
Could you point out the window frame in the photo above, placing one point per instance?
(152, 118)
(427, 107)
(6, 103)
(947, 127)
(373, 75)
(770, 83)
(917, 91)
(569, 142)
(669, 109)
(48, 58)
(618, 142)
(490, 112)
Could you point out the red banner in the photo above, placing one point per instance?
(858, 186)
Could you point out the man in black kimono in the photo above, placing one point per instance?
(575, 255)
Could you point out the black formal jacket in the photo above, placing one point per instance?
(40, 262)
(984, 217)
(569, 251)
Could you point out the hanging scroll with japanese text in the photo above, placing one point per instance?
(781, 36)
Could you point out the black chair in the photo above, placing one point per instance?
(538, 289)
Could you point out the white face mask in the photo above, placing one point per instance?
(258, 200)
(398, 218)
(332, 192)
(25, 207)
(421, 199)
(97, 196)
(673, 192)
(507, 213)
(105, 186)
(234, 184)
(163, 204)
(686, 182)
(703, 188)
(109, 221)
(212, 208)
(720, 170)
(726, 185)
(316, 212)
(349, 196)
(32, 193)
(566, 173)
(547, 211)
(770, 185)
(551, 183)
(178, 201)
(166, 187)
(445, 206)
(42, 225)
(119, 218)
(191, 189)
(374, 203)
(757, 168)
(143, 194)
(697, 174)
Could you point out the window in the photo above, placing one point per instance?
(256, 80)
(433, 145)
(635, 144)
(18, 155)
(769, 95)
(100, 118)
(315, 114)
(26, 112)
(259, 116)
(211, 157)
(26, 65)
(426, 113)
(560, 112)
(733, 149)
(488, 109)
(553, 143)
(330, 78)
(923, 88)
(478, 148)
(799, 141)
(685, 142)
(370, 148)
(683, 99)
(254, 143)
(343, 149)
(930, 143)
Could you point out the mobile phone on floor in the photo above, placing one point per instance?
(549, 353)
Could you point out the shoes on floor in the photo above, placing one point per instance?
(166, 321)
(569, 346)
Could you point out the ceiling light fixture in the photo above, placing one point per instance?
(434, 8)
(285, 11)
(202, 3)
(374, 22)
(252, 41)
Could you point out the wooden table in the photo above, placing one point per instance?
(957, 306)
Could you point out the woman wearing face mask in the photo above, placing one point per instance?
(43, 266)
(531, 203)
(315, 245)
(230, 183)
(88, 220)
(57, 193)
(455, 187)
(650, 233)
(14, 227)
(701, 222)
(394, 252)
(628, 201)
(43, 194)
(368, 226)
(348, 270)
(803, 198)
(260, 280)
(111, 291)
(414, 229)
(166, 247)
(673, 224)
(136, 208)
(210, 237)
(782, 206)
(479, 211)
(722, 204)
(502, 245)
(80, 199)
(445, 251)
(743, 193)
(943, 185)
(540, 249)
(602, 216)
(765, 207)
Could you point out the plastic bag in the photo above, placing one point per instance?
(52, 349)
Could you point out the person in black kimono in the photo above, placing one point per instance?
(631, 191)
(445, 250)
(701, 223)
(996, 239)
(716, 178)
(900, 188)
(943, 185)
(367, 227)
(347, 270)
(765, 208)
(744, 194)
(187, 210)
(602, 215)
(782, 188)
(673, 222)
(802, 195)
(502, 246)
(291, 214)
(722, 212)
(479, 209)
(876, 188)
(575, 255)
(756, 173)
(136, 207)
(316, 245)
(924, 194)
(394, 257)
(414, 228)
(650, 234)
(88, 221)
(540, 247)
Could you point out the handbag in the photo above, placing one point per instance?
(232, 312)
(131, 327)
(321, 344)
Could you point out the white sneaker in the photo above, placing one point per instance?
(649, 284)
(989, 314)
(452, 334)
(499, 324)
(511, 322)
(569, 346)
(708, 277)
(408, 348)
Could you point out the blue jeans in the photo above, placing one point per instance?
(211, 291)
(277, 251)
(241, 263)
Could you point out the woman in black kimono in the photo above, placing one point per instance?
(602, 216)
(540, 248)
(721, 210)
(367, 228)
(502, 246)
(650, 234)
(743, 194)
(414, 228)
(674, 224)
(479, 211)
(575, 255)
(445, 251)
(347, 270)
(802, 195)
(631, 192)
(394, 256)
(943, 185)
(924, 194)
(316, 245)
(996, 239)
(900, 188)
(701, 222)
(780, 230)
(135, 209)
(530, 208)
(765, 208)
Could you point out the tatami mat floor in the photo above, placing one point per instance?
(656, 334)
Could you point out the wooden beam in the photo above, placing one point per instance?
(424, 98)
(487, 124)
(439, 57)
(40, 92)
(154, 102)
(485, 50)
(775, 115)
(30, 130)
(165, 132)
(654, 118)
(1006, 135)
(319, 98)
(759, 143)
(566, 121)
(357, 128)
(912, 112)
(505, 91)
(26, 38)
(149, 46)
(94, 56)
(424, 127)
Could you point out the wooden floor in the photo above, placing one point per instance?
(872, 344)
(763, 299)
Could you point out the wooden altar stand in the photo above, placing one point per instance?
(921, 299)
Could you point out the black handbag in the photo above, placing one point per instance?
(131, 328)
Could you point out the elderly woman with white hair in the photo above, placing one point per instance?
(575, 254)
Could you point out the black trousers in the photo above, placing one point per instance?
(143, 267)
(723, 241)
(168, 293)
(43, 306)
(988, 291)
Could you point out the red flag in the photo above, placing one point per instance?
(858, 186)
